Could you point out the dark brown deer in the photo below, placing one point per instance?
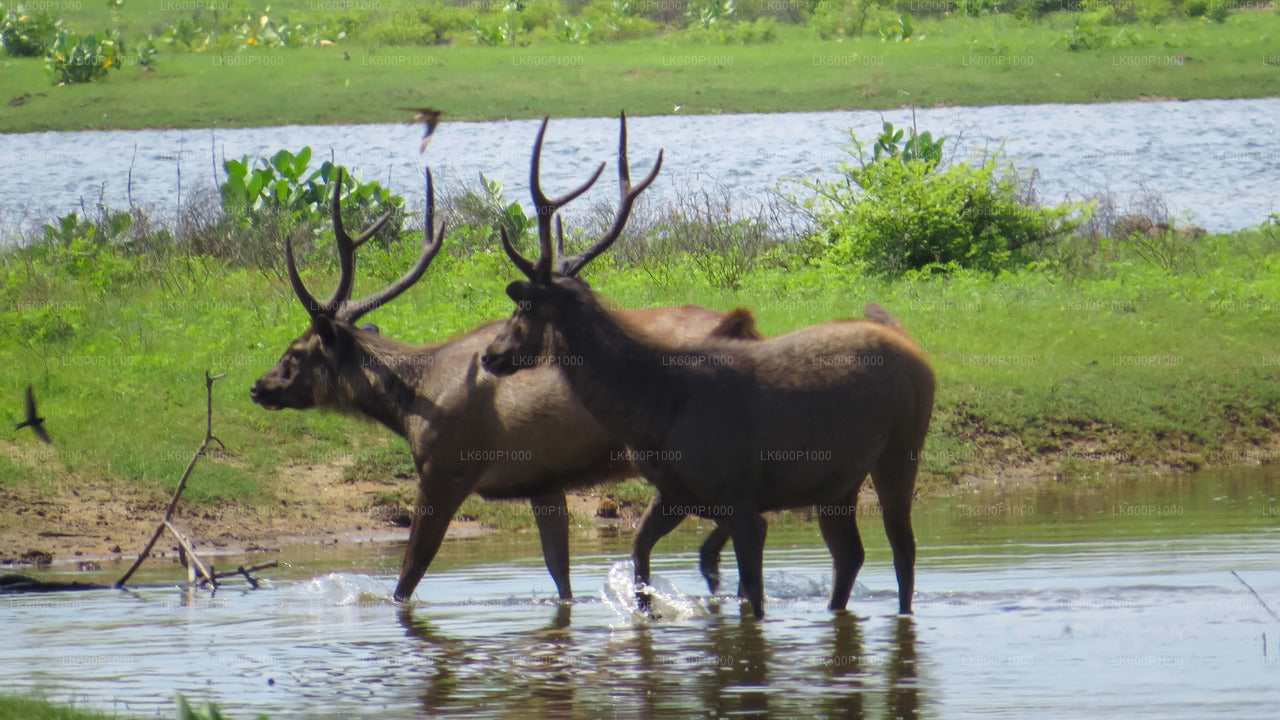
(729, 429)
(468, 431)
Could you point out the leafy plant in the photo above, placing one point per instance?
(285, 184)
(73, 59)
(900, 30)
(704, 16)
(920, 146)
(899, 211)
(27, 34)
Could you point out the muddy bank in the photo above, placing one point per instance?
(87, 519)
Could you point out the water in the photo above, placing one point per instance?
(1214, 159)
(1044, 601)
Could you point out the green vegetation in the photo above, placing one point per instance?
(33, 708)
(897, 210)
(192, 69)
(29, 708)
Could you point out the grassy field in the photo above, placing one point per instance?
(956, 61)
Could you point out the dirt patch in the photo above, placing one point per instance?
(85, 518)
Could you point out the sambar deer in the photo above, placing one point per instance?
(468, 431)
(729, 429)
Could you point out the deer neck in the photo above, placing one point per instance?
(628, 383)
(390, 380)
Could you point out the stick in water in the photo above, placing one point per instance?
(1255, 594)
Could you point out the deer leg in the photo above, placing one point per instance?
(895, 479)
(659, 519)
(709, 555)
(839, 526)
(764, 535)
(431, 519)
(748, 547)
(552, 515)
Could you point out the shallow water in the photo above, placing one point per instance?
(1047, 601)
(1215, 159)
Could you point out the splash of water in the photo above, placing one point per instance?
(339, 588)
(669, 603)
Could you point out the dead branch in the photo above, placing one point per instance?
(165, 522)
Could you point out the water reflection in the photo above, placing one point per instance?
(721, 665)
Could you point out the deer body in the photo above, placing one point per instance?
(729, 429)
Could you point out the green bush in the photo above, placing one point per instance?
(841, 20)
(27, 34)
(73, 59)
(900, 211)
(427, 24)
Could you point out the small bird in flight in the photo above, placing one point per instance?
(429, 117)
(34, 421)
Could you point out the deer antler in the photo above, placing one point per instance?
(546, 208)
(431, 243)
(573, 265)
(339, 305)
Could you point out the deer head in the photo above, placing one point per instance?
(528, 338)
(314, 364)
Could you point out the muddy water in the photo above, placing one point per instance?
(1115, 601)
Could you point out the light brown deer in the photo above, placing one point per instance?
(729, 429)
(468, 431)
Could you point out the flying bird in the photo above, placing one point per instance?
(429, 117)
(34, 421)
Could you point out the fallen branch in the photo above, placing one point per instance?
(166, 521)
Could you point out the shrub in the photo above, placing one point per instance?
(73, 59)
(841, 20)
(27, 34)
(900, 211)
(427, 24)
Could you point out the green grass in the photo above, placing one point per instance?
(962, 61)
(28, 708)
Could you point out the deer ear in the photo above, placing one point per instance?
(326, 329)
(524, 292)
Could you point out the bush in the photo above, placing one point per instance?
(73, 59)
(841, 20)
(25, 34)
(427, 24)
(899, 211)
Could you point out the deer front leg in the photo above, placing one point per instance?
(431, 518)
(551, 512)
(748, 547)
(659, 519)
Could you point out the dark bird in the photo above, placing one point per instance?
(35, 422)
(20, 100)
(346, 55)
(428, 116)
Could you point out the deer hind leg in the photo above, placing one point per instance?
(551, 513)
(748, 547)
(709, 555)
(659, 519)
(895, 479)
(431, 519)
(839, 526)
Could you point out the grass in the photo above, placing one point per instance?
(30, 708)
(961, 61)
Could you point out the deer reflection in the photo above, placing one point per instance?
(904, 686)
